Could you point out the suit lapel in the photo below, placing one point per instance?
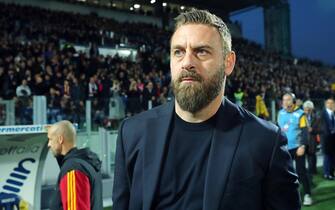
(225, 141)
(157, 130)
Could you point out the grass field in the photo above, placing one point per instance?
(323, 195)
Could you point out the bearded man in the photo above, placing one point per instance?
(201, 151)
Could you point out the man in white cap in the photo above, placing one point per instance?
(313, 132)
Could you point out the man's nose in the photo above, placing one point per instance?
(189, 60)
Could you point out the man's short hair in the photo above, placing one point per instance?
(196, 16)
(292, 95)
(308, 104)
(66, 129)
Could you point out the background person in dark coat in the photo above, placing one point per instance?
(313, 126)
(328, 138)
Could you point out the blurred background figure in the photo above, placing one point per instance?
(313, 137)
(261, 109)
(328, 138)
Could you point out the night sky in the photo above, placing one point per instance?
(312, 28)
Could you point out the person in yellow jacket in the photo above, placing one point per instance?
(261, 109)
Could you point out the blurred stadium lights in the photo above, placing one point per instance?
(137, 6)
(164, 4)
(131, 8)
(153, 1)
(182, 7)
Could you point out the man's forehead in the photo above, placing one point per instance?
(330, 101)
(196, 34)
(288, 95)
(50, 129)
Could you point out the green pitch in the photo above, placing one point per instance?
(323, 194)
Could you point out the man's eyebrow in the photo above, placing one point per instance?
(178, 46)
(201, 46)
(204, 46)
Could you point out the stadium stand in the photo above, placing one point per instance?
(38, 57)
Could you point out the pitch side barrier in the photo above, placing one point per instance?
(23, 151)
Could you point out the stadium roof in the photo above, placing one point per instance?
(225, 6)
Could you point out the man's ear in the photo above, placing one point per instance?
(229, 62)
(60, 139)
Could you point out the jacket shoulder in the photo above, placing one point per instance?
(138, 122)
(255, 122)
(152, 113)
(132, 129)
(77, 164)
(262, 138)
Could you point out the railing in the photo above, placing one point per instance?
(97, 122)
(93, 113)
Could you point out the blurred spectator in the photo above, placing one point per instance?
(77, 92)
(313, 132)
(327, 125)
(40, 87)
(238, 95)
(261, 109)
(2, 81)
(53, 111)
(92, 88)
(149, 96)
(23, 90)
(133, 99)
(10, 84)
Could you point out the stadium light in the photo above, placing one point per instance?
(137, 6)
(131, 8)
(182, 7)
(153, 1)
(164, 4)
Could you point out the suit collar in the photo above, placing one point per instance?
(229, 116)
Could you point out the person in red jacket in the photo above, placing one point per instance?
(79, 184)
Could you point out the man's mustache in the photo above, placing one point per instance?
(190, 74)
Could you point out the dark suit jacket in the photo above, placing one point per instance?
(312, 143)
(249, 167)
(327, 138)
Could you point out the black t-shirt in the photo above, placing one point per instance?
(182, 181)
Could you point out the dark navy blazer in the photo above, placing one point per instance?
(249, 167)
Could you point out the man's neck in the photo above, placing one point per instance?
(67, 148)
(202, 115)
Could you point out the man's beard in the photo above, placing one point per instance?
(197, 95)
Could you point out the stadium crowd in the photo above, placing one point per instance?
(37, 57)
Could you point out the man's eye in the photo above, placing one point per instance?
(202, 52)
(178, 53)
